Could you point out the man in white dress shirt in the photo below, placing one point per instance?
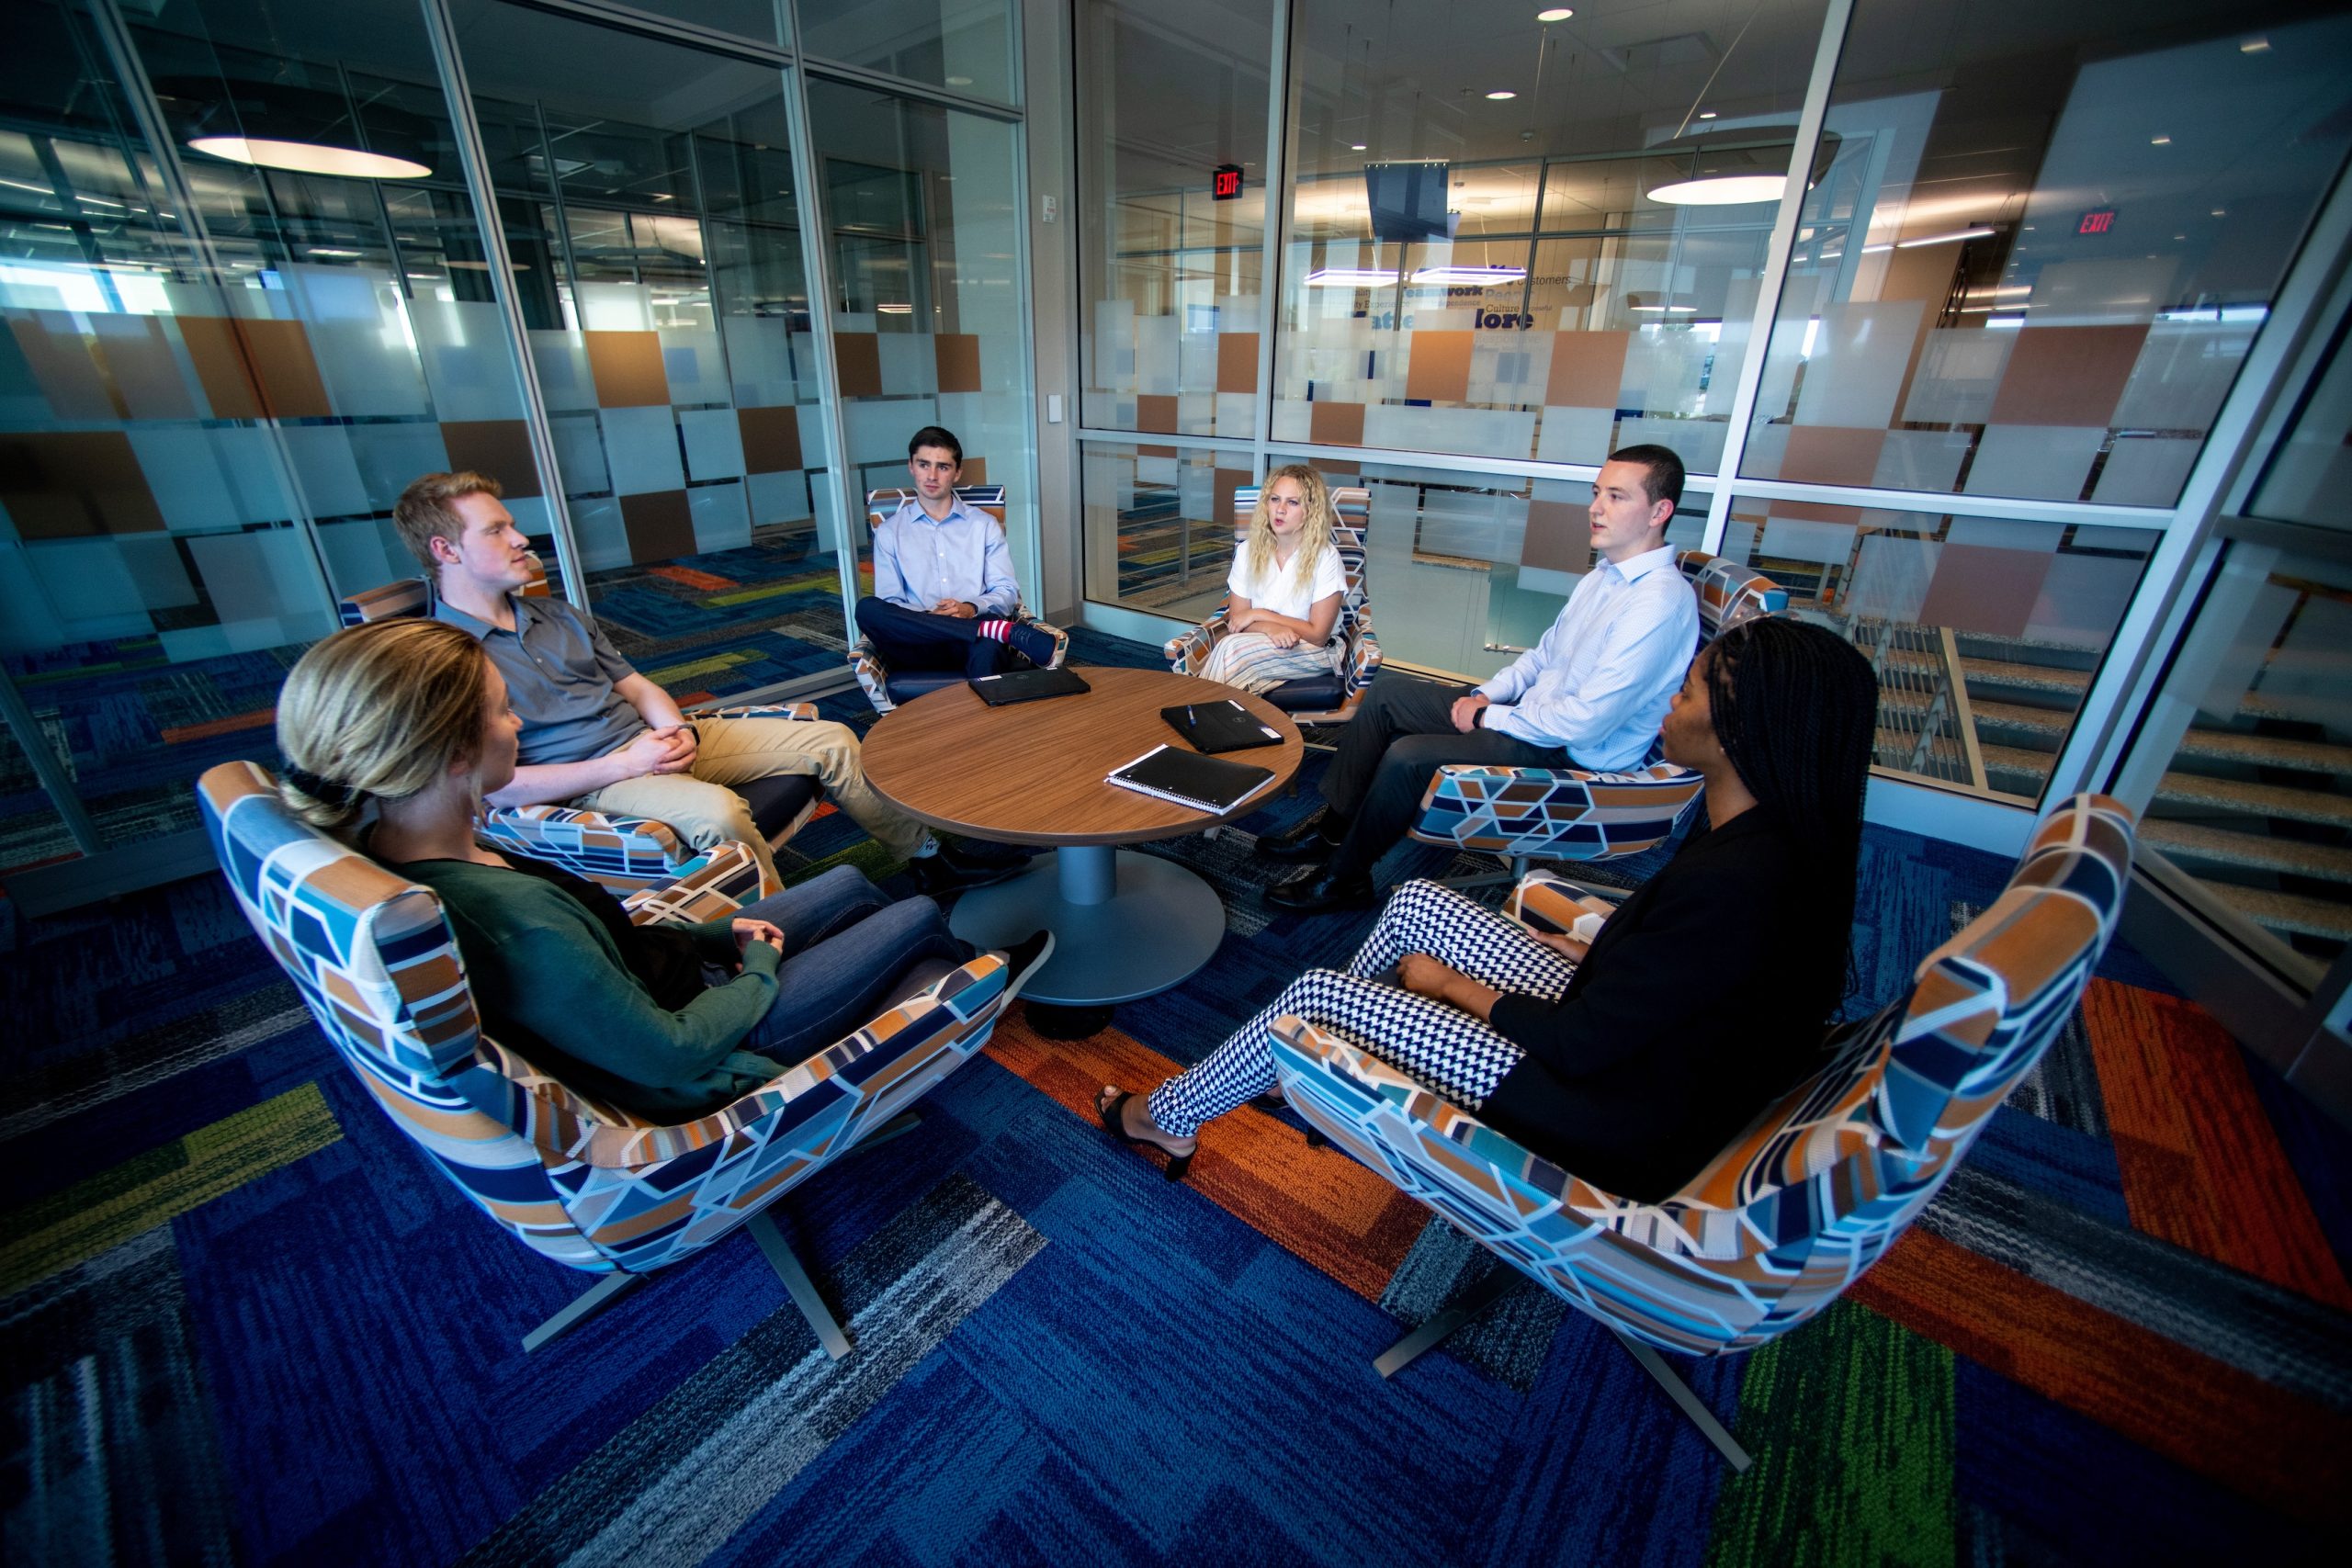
(1591, 695)
(944, 596)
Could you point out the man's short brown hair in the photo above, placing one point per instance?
(425, 513)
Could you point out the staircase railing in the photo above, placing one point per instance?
(1924, 726)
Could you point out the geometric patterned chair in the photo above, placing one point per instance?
(621, 853)
(1317, 699)
(1817, 1187)
(887, 690)
(1525, 814)
(588, 1185)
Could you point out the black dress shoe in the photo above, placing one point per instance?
(1312, 892)
(950, 869)
(1310, 838)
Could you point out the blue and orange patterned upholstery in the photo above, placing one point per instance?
(621, 853)
(1821, 1183)
(887, 691)
(1318, 699)
(575, 1180)
(1567, 813)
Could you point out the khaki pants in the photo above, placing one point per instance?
(704, 811)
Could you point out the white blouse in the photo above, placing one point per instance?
(1280, 592)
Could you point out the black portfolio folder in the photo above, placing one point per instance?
(1220, 726)
(1206, 784)
(1027, 686)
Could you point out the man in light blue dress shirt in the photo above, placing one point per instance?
(944, 596)
(1592, 695)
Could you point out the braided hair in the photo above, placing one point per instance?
(1795, 708)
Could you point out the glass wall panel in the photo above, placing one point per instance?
(962, 44)
(2043, 240)
(198, 460)
(924, 246)
(1158, 525)
(1509, 238)
(761, 19)
(2310, 477)
(649, 201)
(1170, 272)
(2256, 799)
(1986, 632)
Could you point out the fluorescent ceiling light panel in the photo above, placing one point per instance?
(309, 158)
(1941, 239)
(1722, 190)
(1349, 277)
(1467, 275)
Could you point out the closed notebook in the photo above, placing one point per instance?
(1027, 686)
(1220, 726)
(1205, 784)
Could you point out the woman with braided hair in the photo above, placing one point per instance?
(1634, 1062)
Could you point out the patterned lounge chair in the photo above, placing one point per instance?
(587, 1185)
(885, 690)
(1319, 699)
(1816, 1189)
(1527, 814)
(623, 853)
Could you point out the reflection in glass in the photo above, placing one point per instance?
(1159, 525)
(1986, 632)
(964, 45)
(2309, 478)
(926, 307)
(1169, 275)
(2257, 800)
(1502, 276)
(2043, 242)
(649, 201)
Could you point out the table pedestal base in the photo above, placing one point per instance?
(1125, 925)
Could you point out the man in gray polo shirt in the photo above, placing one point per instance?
(599, 735)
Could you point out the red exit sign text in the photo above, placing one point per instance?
(1226, 182)
(2098, 222)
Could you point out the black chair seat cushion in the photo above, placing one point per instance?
(1314, 693)
(775, 802)
(914, 684)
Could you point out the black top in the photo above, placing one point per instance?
(1699, 1001)
(666, 959)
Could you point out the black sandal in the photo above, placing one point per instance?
(1111, 1113)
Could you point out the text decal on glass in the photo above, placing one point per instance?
(1225, 182)
(2098, 222)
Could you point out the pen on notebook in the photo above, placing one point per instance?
(1188, 715)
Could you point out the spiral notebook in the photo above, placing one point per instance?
(1220, 726)
(1204, 783)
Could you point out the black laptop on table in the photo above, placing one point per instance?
(1027, 686)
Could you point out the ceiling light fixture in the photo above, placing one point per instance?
(1470, 277)
(1708, 114)
(1500, 94)
(1873, 250)
(309, 158)
(1349, 277)
(2159, 141)
(959, 82)
(1556, 14)
(2254, 46)
(1941, 239)
(333, 251)
(1355, 146)
(896, 310)
(1666, 310)
(1722, 190)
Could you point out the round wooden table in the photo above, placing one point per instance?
(1125, 925)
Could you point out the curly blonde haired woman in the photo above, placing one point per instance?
(1285, 588)
(393, 732)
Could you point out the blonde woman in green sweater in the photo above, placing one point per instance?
(393, 732)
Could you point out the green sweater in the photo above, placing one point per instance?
(550, 984)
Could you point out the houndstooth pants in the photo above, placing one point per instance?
(1453, 1053)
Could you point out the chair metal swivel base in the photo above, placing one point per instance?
(778, 1252)
(1445, 1324)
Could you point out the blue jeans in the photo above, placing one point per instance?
(845, 946)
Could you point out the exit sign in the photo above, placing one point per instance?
(2098, 223)
(1225, 182)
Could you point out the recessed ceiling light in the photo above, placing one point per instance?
(331, 250)
(1556, 14)
(1355, 146)
(1505, 93)
(1710, 114)
(2254, 46)
(1722, 190)
(2159, 141)
(2221, 212)
(309, 158)
(955, 82)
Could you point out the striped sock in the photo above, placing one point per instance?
(995, 631)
